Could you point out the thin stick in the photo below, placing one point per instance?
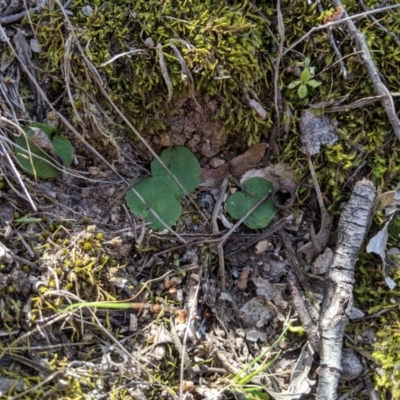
(277, 91)
(18, 177)
(214, 224)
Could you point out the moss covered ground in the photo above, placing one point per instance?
(184, 55)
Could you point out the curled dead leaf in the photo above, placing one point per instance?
(262, 246)
(213, 178)
(249, 159)
(280, 175)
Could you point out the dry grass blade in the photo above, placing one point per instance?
(192, 316)
(11, 164)
(277, 92)
(164, 72)
(186, 72)
(126, 53)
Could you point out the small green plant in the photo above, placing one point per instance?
(242, 381)
(239, 203)
(306, 79)
(157, 198)
(38, 149)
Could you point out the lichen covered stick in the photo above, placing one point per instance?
(338, 295)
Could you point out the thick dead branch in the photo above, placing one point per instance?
(353, 226)
(379, 88)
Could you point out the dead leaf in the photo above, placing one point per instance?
(280, 175)
(387, 199)
(248, 160)
(262, 246)
(180, 316)
(322, 263)
(188, 386)
(213, 178)
(256, 313)
(243, 278)
(42, 140)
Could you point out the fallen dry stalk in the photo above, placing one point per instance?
(352, 228)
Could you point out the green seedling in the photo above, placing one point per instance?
(239, 203)
(27, 219)
(37, 151)
(242, 380)
(306, 80)
(157, 198)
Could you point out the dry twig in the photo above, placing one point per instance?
(277, 92)
(319, 241)
(338, 298)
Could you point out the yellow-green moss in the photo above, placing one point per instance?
(227, 47)
(372, 295)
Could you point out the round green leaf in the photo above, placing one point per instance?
(302, 91)
(182, 164)
(239, 203)
(30, 163)
(161, 197)
(63, 148)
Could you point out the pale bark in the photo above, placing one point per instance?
(338, 298)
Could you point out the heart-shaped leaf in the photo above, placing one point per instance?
(49, 130)
(42, 141)
(239, 203)
(63, 148)
(182, 164)
(27, 154)
(161, 197)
